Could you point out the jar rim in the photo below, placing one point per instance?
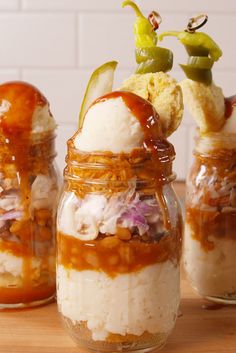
(165, 155)
(122, 166)
(142, 183)
(215, 145)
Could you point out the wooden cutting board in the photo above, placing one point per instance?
(197, 330)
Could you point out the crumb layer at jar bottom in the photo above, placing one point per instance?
(212, 273)
(146, 342)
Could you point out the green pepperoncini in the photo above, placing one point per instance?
(199, 40)
(144, 34)
(202, 50)
(149, 57)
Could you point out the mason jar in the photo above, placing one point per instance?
(210, 236)
(119, 245)
(28, 201)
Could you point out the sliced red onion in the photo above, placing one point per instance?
(138, 213)
(146, 208)
(126, 210)
(136, 216)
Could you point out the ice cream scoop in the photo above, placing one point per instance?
(24, 109)
(119, 122)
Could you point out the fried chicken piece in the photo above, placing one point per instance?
(206, 104)
(164, 93)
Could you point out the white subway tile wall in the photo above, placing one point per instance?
(9, 4)
(56, 44)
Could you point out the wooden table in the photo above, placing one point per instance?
(39, 330)
(197, 330)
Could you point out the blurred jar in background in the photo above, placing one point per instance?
(210, 237)
(28, 197)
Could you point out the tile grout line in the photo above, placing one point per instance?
(20, 5)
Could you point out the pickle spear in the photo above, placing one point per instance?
(100, 83)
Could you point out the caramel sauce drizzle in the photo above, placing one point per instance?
(230, 103)
(154, 140)
(149, 120)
